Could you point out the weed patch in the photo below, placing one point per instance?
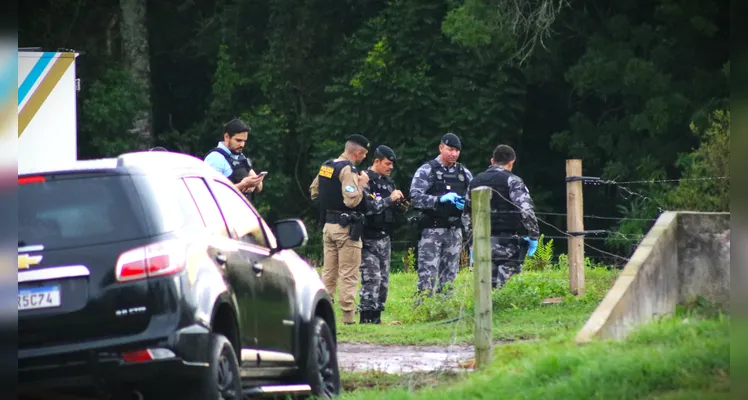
(519, 312)
(529, 289)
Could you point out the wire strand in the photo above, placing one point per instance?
(591, 216)
(554, 227)
(653, 181)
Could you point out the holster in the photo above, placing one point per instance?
(353, 219)
(345, 220)
(414, 220)
(522, 245)
(357, 226)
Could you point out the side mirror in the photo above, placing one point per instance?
(290, 234)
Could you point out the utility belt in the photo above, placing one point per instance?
(386, 217)
(353, 219)
(429, 221)
(375, 234)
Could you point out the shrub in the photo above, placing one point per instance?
(543, 257)
(528, 289)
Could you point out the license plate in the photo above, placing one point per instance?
(38, 297)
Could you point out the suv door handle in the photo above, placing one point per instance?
(257, 267)
(221, 258)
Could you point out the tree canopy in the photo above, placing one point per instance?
(636, 89)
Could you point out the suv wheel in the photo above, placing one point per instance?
(321, 372)
(222, 380)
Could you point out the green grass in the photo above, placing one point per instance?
(675, 358)
(686, 356)
(518, 310)
(382, 381)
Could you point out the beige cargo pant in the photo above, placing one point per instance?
(342, 260)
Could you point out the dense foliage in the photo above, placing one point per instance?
(635, 88)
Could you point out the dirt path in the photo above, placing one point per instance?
(395, 359)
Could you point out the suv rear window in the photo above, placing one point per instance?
(81, 211)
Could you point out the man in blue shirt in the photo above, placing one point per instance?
(227, 158)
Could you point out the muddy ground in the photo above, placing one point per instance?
(398, 359)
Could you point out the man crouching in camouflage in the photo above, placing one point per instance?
(513, 222)
(438, 190)
(384, 200)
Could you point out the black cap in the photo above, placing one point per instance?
(236, 126)
(451, 140)
(359, 140)
(384, 151)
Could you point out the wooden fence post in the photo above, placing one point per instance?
(575, 226)
(481, 218)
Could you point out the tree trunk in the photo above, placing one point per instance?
(137, 60)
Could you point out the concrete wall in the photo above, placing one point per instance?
(704, 256)
(684, 255)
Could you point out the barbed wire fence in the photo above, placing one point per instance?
(598, 235)
(593, 240)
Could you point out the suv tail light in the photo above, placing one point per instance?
(157, 259)
(31, 179)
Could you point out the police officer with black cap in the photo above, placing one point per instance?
(340, 188)
(228, 159)
(514, 226)
(384, 202)
(438, 190)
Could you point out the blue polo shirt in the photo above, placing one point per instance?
(218, 161)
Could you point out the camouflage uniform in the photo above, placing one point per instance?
(376, 252)
(512, 218)
(375, 274)
(439, 247)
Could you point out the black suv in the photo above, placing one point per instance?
(150, 273)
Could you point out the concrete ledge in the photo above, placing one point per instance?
(684, 255)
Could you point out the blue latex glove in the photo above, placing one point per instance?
(460, 203)
(471, 257)
(533, 246)
(450, 197)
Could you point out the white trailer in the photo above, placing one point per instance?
(47, 119)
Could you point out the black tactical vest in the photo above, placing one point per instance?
(240, 166)
(446, 214)
(505, 216)
(330, 187)
(381, 186)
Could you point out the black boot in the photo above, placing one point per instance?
(376, 317)
(365, 317)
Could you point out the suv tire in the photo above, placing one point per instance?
(321, 371)
(221, 380)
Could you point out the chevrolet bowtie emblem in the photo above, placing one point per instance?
(25, 261)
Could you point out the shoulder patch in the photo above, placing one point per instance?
(326, 172)
(350, 189)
